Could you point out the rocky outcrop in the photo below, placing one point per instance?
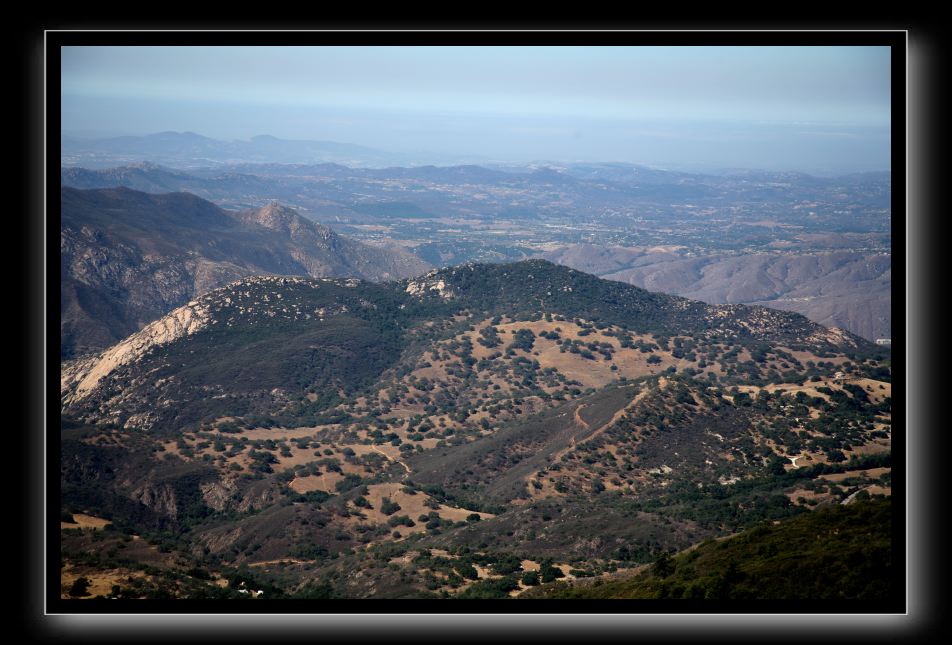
(158, 498)
(258, 496)
(430, 283)
(79, 378)
(219, 495)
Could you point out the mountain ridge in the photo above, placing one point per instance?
(129, 257)
(195, 149)
(294, 305)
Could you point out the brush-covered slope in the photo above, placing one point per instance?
(841, 552)
(263, 344)
(454, 432)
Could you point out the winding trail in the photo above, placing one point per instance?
(389, 458)
(582, 423)
(264, 563)
(618, 415)
(850, 498)
(579, 421)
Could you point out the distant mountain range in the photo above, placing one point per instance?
(616, 196)
(128, 258)
(188, 149)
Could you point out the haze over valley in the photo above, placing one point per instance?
(818, 246)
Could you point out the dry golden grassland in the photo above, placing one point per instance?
(85, 522)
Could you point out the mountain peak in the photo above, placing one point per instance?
(278, 217)
(170, 135)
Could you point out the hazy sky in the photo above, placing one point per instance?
(821, 109)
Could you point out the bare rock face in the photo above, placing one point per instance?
(430, 283)
(160, 499)
(79, 378)
(219, 495)
(258, 497)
